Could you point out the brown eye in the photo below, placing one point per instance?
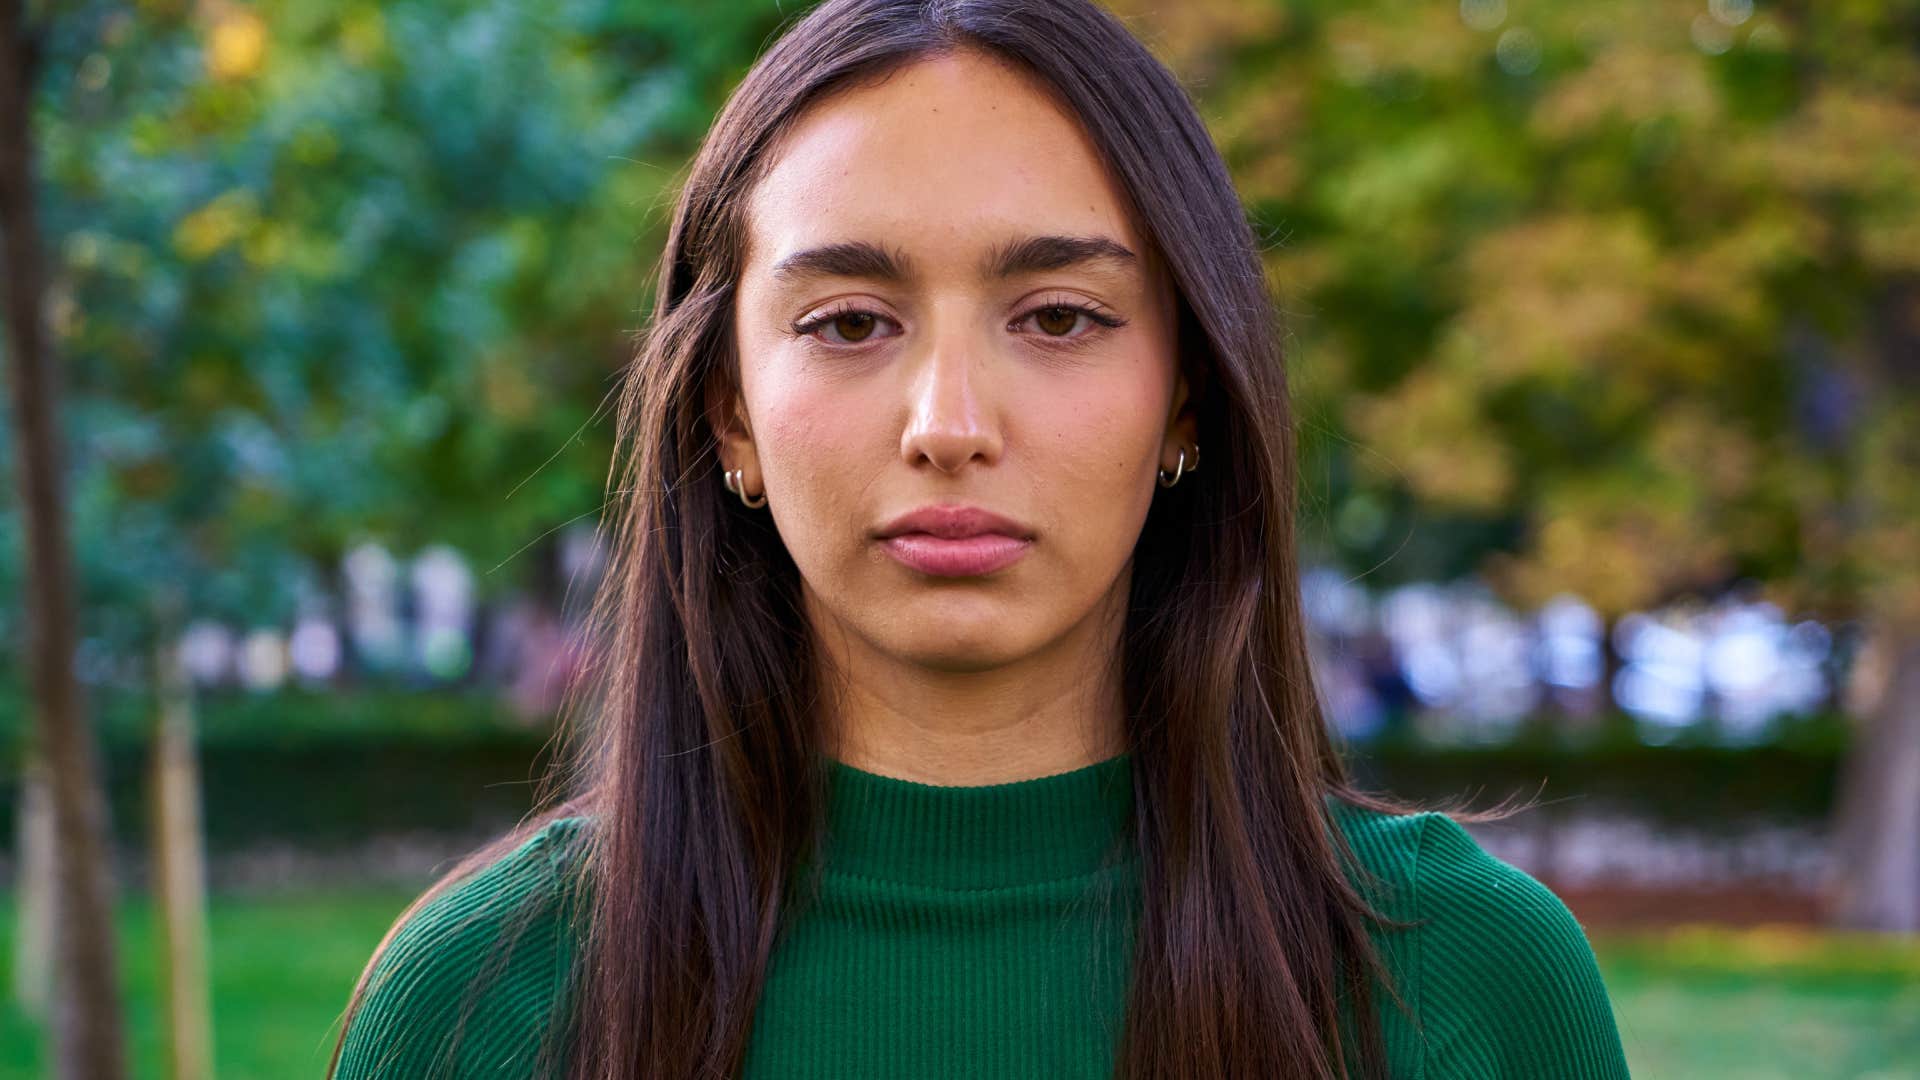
(1060, 318)
(841, 329)
(863, 320)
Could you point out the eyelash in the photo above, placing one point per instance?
(1100, 319)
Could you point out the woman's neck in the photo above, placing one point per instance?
(1044, 714)
(1021, 750)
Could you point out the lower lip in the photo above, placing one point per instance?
(963, 557)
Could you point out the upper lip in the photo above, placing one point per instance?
(954, 522)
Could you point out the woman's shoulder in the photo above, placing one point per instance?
(1503, 976)
(467, 981)
(1425, 864)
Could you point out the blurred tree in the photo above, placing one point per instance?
(83, 1027)
(1621, 300)
(336, 271)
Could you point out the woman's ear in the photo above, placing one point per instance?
(1183, 428)
(727, 416)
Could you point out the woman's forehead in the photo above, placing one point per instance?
(945, 159)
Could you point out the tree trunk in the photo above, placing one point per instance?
(1876, 833)
(1617, 726)
(33, 885)
(179, 862)
(85, 1030)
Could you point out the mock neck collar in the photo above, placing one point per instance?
(981, 836)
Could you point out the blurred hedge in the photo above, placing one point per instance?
(329, 768)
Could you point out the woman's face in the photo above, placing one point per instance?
(944, 304)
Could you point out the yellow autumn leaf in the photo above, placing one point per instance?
(236, 45)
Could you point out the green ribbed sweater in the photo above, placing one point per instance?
(985, 932)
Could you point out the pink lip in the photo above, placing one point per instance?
(955, 541)
(965, 557)
(954, 523)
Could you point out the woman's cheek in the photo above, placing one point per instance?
(796, 434)
(1108, 477)
(786, 440)
(818, 464)
(1105, 434)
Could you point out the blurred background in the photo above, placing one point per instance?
(1603, 323)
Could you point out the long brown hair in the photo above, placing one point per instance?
(696, 759)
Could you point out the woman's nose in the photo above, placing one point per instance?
(953, 418)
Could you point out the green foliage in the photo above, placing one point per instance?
(295, 718)
(325, 272)
(323, 770)
(1619, 300)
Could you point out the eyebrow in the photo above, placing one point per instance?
(1026, 255)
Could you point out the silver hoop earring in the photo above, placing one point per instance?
(736, 481)
(1182, 468)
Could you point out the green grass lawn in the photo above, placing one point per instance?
(1692, 1004)
(1766, 1004)
(282, 969)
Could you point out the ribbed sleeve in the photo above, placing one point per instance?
(1508, 983)
(467, 986)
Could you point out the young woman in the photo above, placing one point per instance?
(951, 719)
